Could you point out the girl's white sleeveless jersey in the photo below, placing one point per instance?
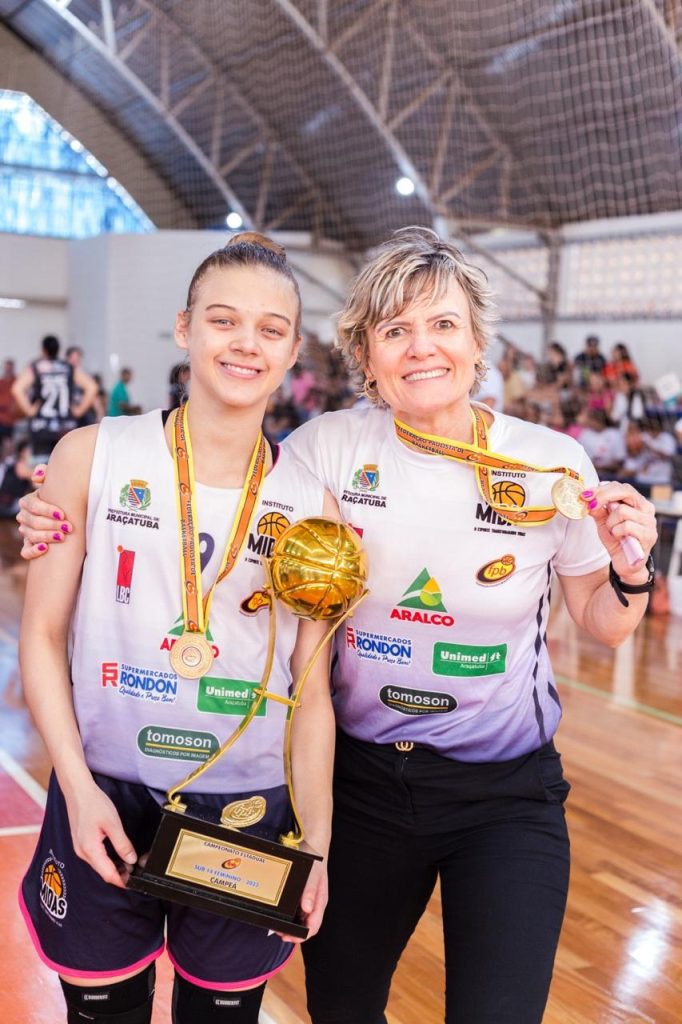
(139, 721)
(450, 648)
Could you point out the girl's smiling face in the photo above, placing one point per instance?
(240, 334)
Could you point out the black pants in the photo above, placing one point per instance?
(495, 836)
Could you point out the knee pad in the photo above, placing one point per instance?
(211, 1006)
(122, 1002)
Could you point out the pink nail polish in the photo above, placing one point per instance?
(593, 504)
(587, 494)
(56, 536)
(39, 472)
(42, 547)
(56, 515)
(65, 528)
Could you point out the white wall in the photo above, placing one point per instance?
(36, 270)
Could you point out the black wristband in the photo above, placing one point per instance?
(622, 589)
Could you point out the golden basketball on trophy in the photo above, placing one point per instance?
(318, 568)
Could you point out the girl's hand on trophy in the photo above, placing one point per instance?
(94, 819)
(313, 902)
(40, 524)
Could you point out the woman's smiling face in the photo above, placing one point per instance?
(423, 358)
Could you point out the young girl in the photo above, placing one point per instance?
(120, 721)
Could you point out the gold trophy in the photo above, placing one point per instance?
(318, 570)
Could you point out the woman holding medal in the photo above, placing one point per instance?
(444, 695)
(443, 692)
(164, 665)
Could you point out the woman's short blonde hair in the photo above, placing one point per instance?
(413, 262)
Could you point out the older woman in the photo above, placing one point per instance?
(444, 695)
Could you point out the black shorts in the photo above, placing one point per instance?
(83, 927)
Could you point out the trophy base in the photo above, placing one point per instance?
(224, 871)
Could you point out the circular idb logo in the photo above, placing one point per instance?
(407, 701)
(53, 888)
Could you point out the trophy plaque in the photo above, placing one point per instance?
(231, 867)
(209, 866)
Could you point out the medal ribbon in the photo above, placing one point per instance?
(483, 460)
(195, 609)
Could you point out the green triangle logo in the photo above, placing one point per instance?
(424, 592)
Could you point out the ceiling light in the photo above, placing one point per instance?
(12, 303)
(405, 186)
(233, 221)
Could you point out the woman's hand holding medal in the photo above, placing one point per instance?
(624, 519)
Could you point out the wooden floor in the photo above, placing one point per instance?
(620, 958)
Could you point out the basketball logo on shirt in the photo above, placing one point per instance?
(269, 527)
(53, 888)
(509, 492)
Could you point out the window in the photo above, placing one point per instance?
(51, 185)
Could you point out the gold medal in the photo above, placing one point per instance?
(506, 497)
(566, 496)
(191, 656)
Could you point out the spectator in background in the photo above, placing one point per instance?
(678, 432)
(598, 394)
(602, 442)
(8, 407)
(527, 371)
(619, 364)
(650, 456)
(545, 395)
(74, 356)
(53, 395)
(178, 385)
(515, 389)
(589, 361)
(301, 384)
(119, 400)
(101, 398)
(15, 479)
(628, 403)
(558, 366)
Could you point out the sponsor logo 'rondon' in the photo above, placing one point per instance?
(496, 571)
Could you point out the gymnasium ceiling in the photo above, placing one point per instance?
(303, 114)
